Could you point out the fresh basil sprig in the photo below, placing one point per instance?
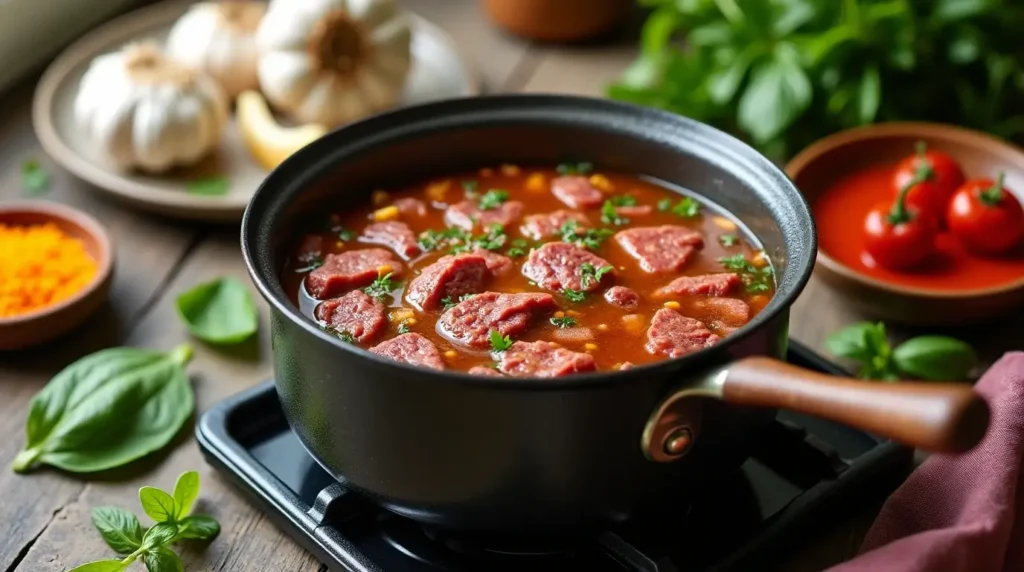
(123, 533)
(219, 312)
(107, 409)
(932, 358)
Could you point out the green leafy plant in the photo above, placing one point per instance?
(219, 312)
(210, 186)
(123, 532)
(933, 358)
(783, 73)
(35, 179)
(107, 409)
(381, 287)
(500, 343)
(493, 199)
(728, 240)
(687, 207)
(589, 274)
(588, 238)
(576, 296)
(563, 322)
(611, 216)
(757, 280)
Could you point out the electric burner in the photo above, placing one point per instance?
(805, 470)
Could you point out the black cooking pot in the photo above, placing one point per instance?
(550, 456)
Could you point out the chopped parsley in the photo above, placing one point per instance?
(729, 240)
(493, 199)
(519, 247)
(500, 343)
(346, 337)
(664, 205)
(564, 322)
(381, 288)
(575, 168)
(494, 239)
(574, 295)
(623, 201)
(439, 239)
(687, 207)
(590, 238)
(345, 234)
(447, 302)
(403, 328)
(469, 188)
(611, 216)
(589, 274)
(757, 280)
(310, 262)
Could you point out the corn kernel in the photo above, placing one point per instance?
(410, 322)
(486, 172)
(760, 259)
(724, 223)
(451, 354)
(559, 314)
(589, 346)
(510, 170)
(438, 190)
(386, 213)
(402, 315)
(672, 304)
(602, 327)
(380, 198)
(601, 183)
(536, 183)
(384, 270)
(634, 323)
(573, 313)
(339, 244)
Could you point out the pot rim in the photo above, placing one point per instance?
(308, 165)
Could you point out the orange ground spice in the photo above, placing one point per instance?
(40, 266)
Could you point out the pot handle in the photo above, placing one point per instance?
(936, 417)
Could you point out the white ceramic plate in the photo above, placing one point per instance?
(438, 72)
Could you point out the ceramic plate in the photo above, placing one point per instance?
(438, 72)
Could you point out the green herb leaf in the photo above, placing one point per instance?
(159, 534)
(563, 322)
(219, 312)
(687, 207)
(120, 529)
(346, 337)
(728, 240)
(163, 559)
(440, 239)
(935, 358)
(469, 189)
(198, 528)
(101, 566)
(589, 274)
(210, 186)
(186, 489)
(757, 280)
(381, 288)
(345, 235)
(870, 95)
(590, 238)
(664, 205)
(447, 302)
(623, 201)
(157, 504)
(493, 199)
(108, 409)
(574, 295)
(611, 216)
(500, 343)
(779, 91)
(575, 168)
(866, 344)
(34, 177)
(403, 328)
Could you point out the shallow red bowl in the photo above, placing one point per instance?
(818, 167)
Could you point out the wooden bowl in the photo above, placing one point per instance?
(50, 322)
(817, 167)
(557, 20)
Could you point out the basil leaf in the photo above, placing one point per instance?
(779, 92)
(198, 527)
(157, 504)
(163, 559)
(101, 566)
(161, 533)
(120, 529)
(219, 312)
(851, 342)
(185, 492)
(935, 358)
(107, 409)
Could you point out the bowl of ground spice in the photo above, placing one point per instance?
(56, 265)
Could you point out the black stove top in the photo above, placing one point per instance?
(807, 469)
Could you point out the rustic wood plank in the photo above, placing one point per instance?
(147, 249)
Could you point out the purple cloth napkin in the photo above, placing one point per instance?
(957, 513)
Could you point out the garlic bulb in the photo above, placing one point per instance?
(143, 110)
(219, 38)
(333, 61)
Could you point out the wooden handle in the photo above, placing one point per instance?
(937, 417)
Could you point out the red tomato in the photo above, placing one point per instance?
(900, 245)
(941, 178)
(986, 217)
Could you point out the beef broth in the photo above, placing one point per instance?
(614, 269)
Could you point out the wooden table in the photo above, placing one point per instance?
(44, 517)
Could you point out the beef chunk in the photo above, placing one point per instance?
(622, 297)
(540, 226)
(558, 265)
(544, 359)
(673, 334)
(412, 349)
(485, 371)
(466, 215)
(349, 270)
(576, 192)
(470, 322)
(449, 276)
(705, 285)
(497, 264)
(395, 235)
(355, 313)
(665, 248)
(725, 311)
(409, 206)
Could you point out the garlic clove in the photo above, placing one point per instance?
(286, 76)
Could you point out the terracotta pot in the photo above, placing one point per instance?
(557, 20)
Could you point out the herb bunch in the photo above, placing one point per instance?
(932, 358)
(783, 73)
(123, 532)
